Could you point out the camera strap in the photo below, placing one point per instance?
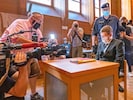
(6, 73)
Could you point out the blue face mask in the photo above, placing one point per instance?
(105, 13)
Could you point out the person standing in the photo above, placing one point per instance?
(106, 19)
(125, 33)
(75, 34)
(31, 26)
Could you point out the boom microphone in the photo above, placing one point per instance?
(20, 32)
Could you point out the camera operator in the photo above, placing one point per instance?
(33, 23)
(17, 87)
(75, 34)
(54, 43)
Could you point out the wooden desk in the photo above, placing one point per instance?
(73, 75)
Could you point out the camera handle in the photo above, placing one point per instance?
(7, 69)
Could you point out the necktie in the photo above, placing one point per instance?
(105, 47)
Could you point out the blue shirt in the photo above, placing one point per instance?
(67, 47)
(113, 21)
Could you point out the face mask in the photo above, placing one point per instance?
(105, 13)
(123, 24)
(36, 25)
(65, 42)
(106, 40)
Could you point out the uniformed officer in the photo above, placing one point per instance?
(106, 19)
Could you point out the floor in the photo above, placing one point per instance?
(129, 90)
(121, 95)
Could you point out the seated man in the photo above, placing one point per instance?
(67, 45)
(59, 51)
(9, 85)
(110, 49)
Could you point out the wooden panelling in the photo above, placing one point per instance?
(131, 9)
(9, 6)
(116, 7)
(52, 25)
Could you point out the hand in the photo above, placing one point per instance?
(94, 49)
(45, 44)
(20, 57)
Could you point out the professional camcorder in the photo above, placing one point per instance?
(50, 50)
(5, 51)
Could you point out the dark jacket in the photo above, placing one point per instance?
(114, 52)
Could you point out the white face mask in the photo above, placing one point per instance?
(106, 40)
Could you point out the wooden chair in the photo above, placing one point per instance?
(124, 79)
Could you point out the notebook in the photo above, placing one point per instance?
(82, 60)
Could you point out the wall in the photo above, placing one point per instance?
(13, 6)
(54, 24)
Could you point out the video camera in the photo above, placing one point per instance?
(5, 51)
(50, 50)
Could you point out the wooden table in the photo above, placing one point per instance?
(73, 75)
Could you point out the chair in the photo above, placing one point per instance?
(124, 79)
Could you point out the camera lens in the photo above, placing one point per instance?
(76, 25)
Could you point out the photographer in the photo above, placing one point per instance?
(12, 86)
(75, 34)
(31, 24)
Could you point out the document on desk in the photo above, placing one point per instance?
(82, 60)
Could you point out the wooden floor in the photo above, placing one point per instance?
(129, 94)
(129, 89)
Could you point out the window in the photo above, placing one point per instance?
(97, 7)
(46, 7)
(46, 2)
(74, 5)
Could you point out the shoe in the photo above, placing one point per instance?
(121, 74)
(130, 74)
(36, 96)
(121, 88)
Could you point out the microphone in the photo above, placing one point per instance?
(20, 32)
(24, 45)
